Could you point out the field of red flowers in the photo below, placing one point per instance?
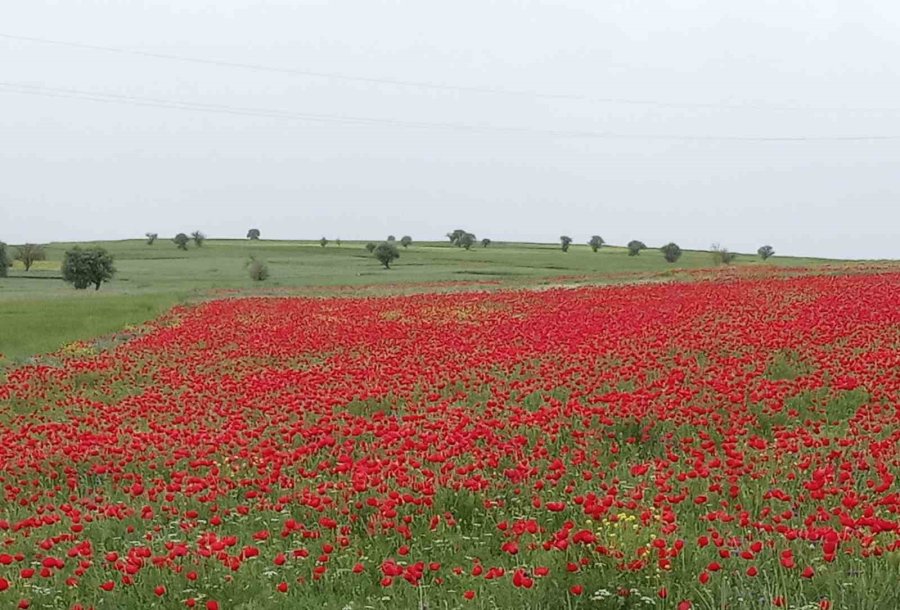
(717, 444)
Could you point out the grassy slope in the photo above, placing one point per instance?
(40, 313)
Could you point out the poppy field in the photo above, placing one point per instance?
(714, 444)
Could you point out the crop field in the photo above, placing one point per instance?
(729, 443)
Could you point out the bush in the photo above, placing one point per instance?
(323, 242)
(258, 270)
(181, 240)
(86, 267)
(370, 247)
(151, 237)
(406, 241)
(30, 253)
(485, 242)
(721, 256)
(765, 252)
(565, 240)
(253, 234)
(4, 260)
(198, 238)
(635, 246)
(595, 242)
(386, 253)
(671, 251)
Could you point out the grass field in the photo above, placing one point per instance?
(39, 312)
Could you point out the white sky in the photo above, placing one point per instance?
(76, 169)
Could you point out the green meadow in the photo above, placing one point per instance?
(40, 313)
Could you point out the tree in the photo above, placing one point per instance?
(151, 237)
(30, 253)
(338, 242)
(86, 267)
(467, 240)
(181, 240)
(595, 242)
(198, 238)
(720, 255)
(386, 253)
(765, 252)
(370, 247)
(391, 238)
(671, 251)
(485, 242)
(635, 246)
(565, 240)
(258, 270)
(323, 242)
(4, 260)
(455, 236)
(406, 241)
(253, 234)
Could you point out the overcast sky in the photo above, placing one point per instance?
(541, 162)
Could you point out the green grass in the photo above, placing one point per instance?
(40, 313)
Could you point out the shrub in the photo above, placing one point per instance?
(4, 260)
(635, 246)
(406, 241)
(565, 240)
(721, 256)
(258, 270)
(323, 242)
(485, 242)
(595, 242)
(151, 237)
(765, 252)
(253, 234)
(198, 238)
(370, 247)
(86, 267)
(386, 253)
(30, 253)
(671, 251)
(181, 240)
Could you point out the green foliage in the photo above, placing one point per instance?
(86, 267)
(151, 237)
(391, 238)
(467, 240)
(386, 253)
(323, 242)
(29, 253)
(181, 240)
(765, 252)
(671, 252)
(485, 242)
(635, 246)
(258, 270)
(370, 247)
(253, 234)
(595, 242)
(565, 241)
(406, 241)
(721, 256)
(198, 238)
(4, 260)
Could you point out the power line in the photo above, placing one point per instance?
(434, 86)
(55, 92)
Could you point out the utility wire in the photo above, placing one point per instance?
(93, 96)
(434, 86)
